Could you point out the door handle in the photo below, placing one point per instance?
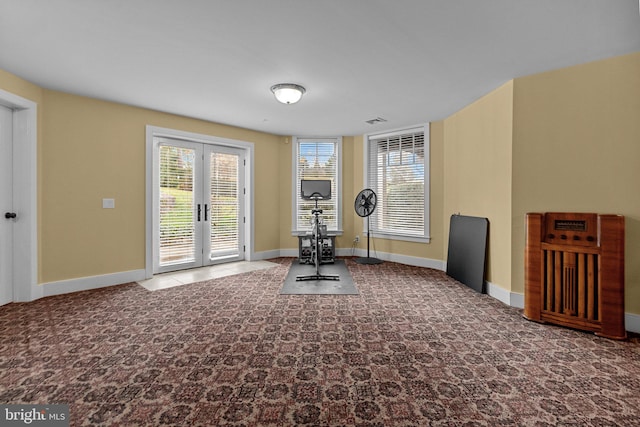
(199, 210)
(10, 215)
(206, 209)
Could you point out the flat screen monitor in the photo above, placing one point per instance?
(315, 189)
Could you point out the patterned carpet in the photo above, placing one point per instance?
(415, 348)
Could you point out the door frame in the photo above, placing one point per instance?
(25, 196)
(153, 132)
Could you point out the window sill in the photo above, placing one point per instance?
(304, 232)
(405, 238)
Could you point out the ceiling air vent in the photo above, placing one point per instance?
(376, 120)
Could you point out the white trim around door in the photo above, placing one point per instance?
(25, 196)
(153, 135)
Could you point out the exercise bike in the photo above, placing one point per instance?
(316, 190)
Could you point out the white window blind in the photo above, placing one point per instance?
(316, 158)
(396, 172)
(224, 203)
(177, 227)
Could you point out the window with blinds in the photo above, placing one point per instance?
(316, 158)
(396, 171)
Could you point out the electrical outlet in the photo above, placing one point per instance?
(357, 239)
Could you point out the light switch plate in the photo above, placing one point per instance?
(108, 203)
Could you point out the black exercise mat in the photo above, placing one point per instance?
(344, 286)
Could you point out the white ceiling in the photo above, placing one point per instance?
(408, 61)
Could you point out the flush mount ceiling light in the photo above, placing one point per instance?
(288, 93)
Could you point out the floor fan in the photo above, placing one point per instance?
(365, 204)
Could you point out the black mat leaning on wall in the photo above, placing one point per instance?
(466, 258)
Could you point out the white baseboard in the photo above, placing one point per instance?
(274, 253)
(632, 322)
(513, 299)
(91, 282)
(401, 259)
(497, 292)
(409, 260)
(516, 299)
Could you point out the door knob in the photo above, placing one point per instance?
(10, 215)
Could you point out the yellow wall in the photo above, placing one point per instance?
(348, 175)
(565, 140)
(94, 149)
(89, 150)
(14, 84)
(576, 147)
(477, 173)
(285, 193)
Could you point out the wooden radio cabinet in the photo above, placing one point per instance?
(574, 271)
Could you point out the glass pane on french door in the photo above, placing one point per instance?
(224, 204)
(177, 240)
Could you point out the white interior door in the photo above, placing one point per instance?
(199, 209)
(6, 205)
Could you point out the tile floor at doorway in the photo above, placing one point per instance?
(185, 277)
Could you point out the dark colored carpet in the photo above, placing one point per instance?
(344, 286)
(415, 348)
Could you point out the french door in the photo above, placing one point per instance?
(200, 205)
(6, 206)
